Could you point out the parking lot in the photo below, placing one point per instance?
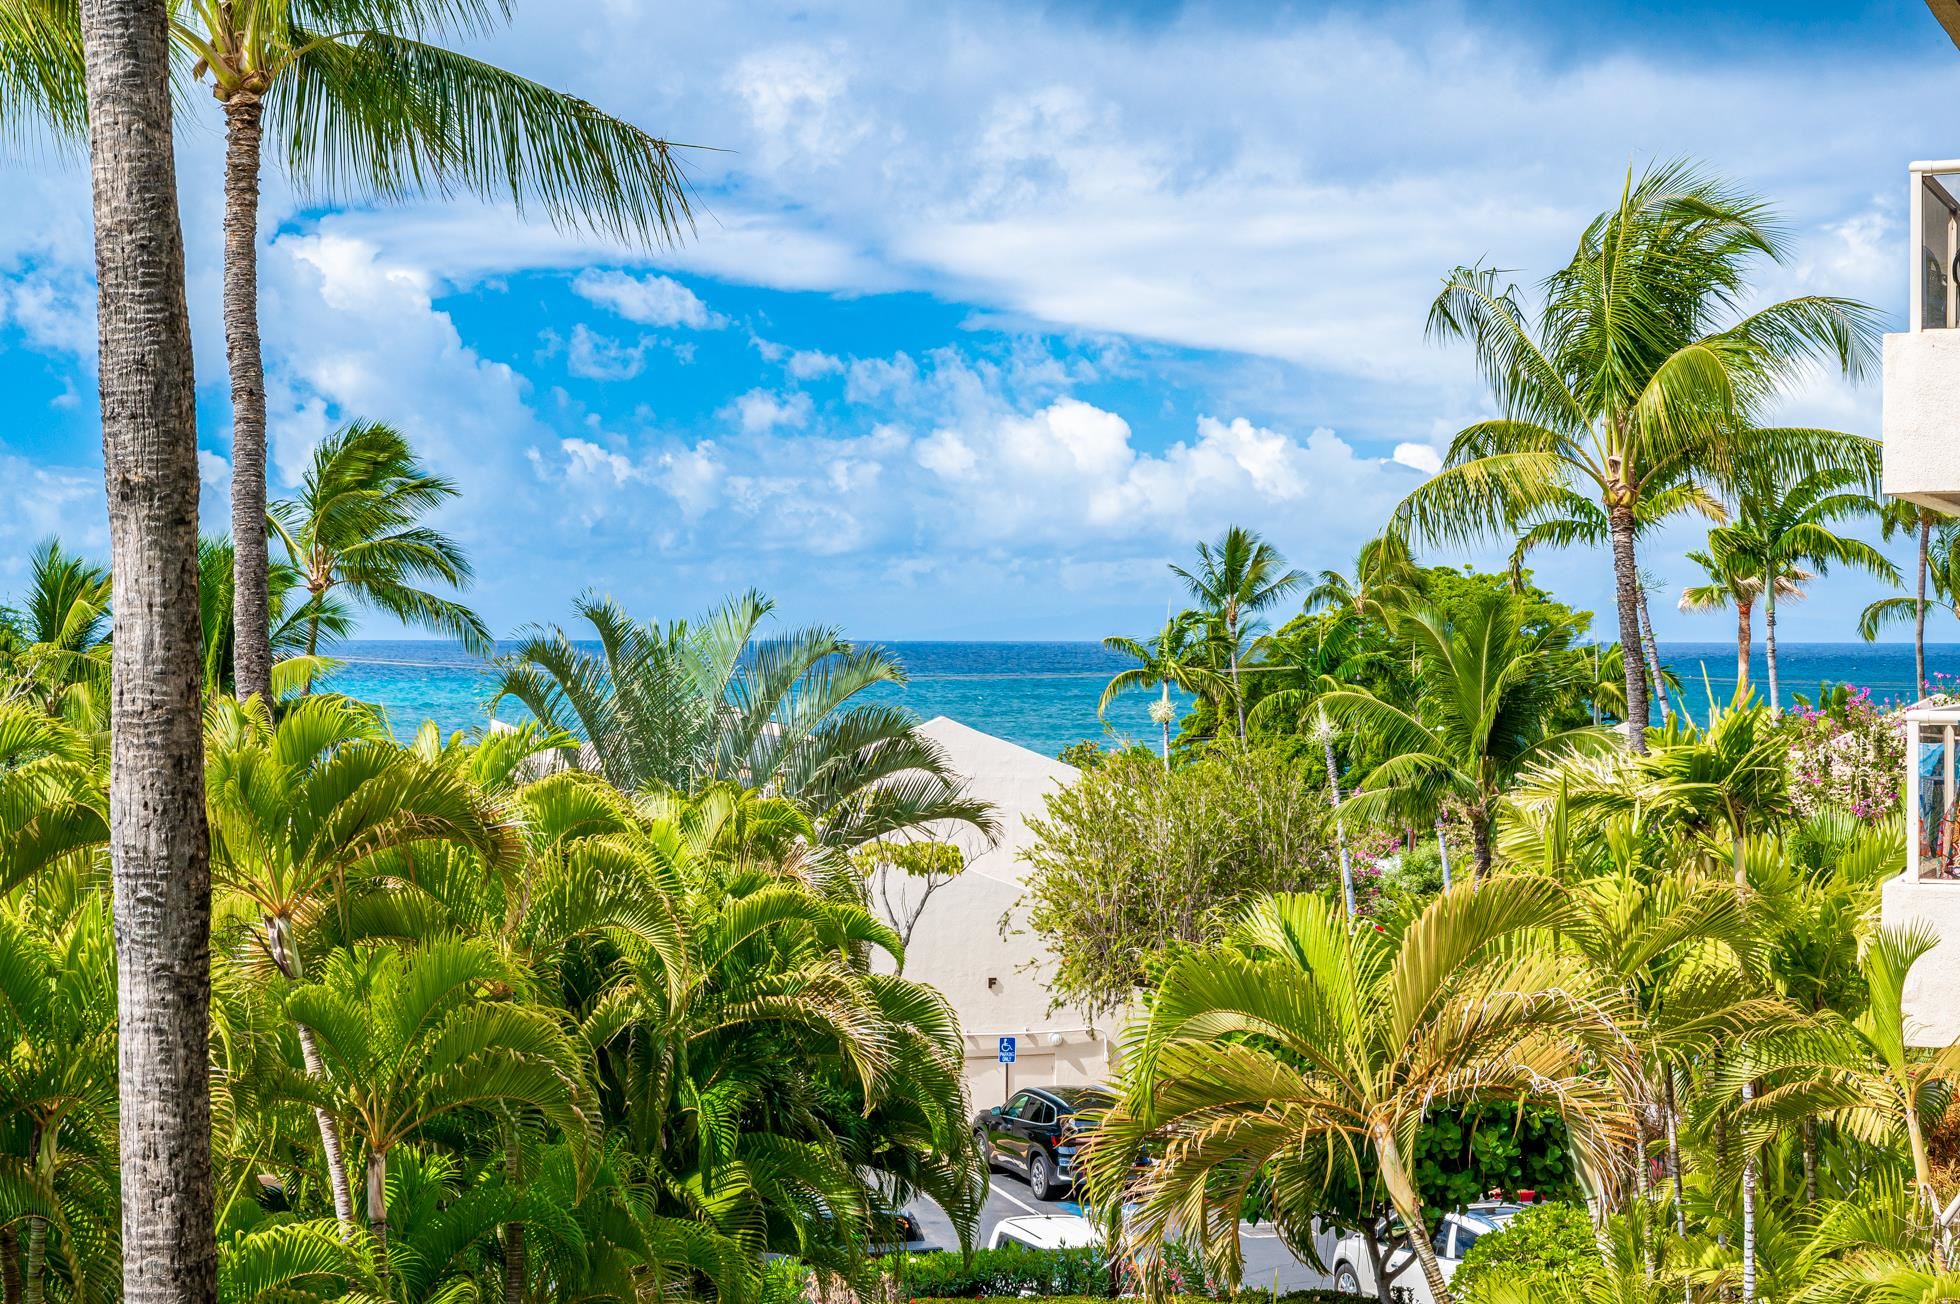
(1268, 1263)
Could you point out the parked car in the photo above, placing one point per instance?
(1037, 1132)
(1048, 1231)
(1354, 1274)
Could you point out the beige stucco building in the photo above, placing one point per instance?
(997, 979)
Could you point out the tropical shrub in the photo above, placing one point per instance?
(1462, 1155)
(1010, 1271)
(1132, 859)
(1845, 751)
(1544, 1245)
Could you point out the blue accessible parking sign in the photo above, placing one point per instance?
(1007, 1050)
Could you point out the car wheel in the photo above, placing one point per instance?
(1038, 1176)
(1345, 1280)
(986, 1151)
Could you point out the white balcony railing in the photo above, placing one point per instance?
(1936, 238)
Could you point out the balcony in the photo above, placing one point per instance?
(1922, 363)
(1929, 890)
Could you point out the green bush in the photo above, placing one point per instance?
(1009, 1271)
(1546, 1243)
(1249, 1297)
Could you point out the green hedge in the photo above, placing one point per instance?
(1048, 1273)
(1250, 1297)
(1544, 1245)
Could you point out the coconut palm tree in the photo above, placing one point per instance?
(362, 97)
(1301, 1045)
(1784, 520)
(1484, 708)
(1385, 577)
(1163, 662)
(687, 705)
(1939, 563)
(1733, 582)
(157, 836)
(1635, 370)
(1236, 580)
(356, 530)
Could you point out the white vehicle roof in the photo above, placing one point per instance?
(1048, 1231)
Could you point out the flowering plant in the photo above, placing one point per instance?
(1849, 751)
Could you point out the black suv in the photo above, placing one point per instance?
(1037, 1131)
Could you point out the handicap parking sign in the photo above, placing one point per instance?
(1007, 1050)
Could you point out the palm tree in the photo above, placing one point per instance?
(1162, 662)
(1939, 567)
(1484, 708)
(158, 843)
(56, 644)
(1861, 1072)
(1729, 782)
(409, 1037)
(689, 705)
(1235, 580)
(360, 98)
(1385, 578)
(1733, 582)
(356, 524)
(1783, 520)
(1302, 1048)
(300, 808)
(1624, 388)
(291, 621)
(1897, 517)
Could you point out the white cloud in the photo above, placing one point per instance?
(649, 300)
(760, 411)
(600, 357)
(1420, 456)
(810, 364)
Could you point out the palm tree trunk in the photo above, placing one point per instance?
(250, 602)
(1340, 827)
(10, 1284)
(1443, 848)
(1479, 846)
(286, 957)
(1654, 657)
(1749, 1214)
(1165, 725)
(1408, 1204)
(516, 1272)
(1919, 608)
(1626, 590)
(1769, 648)
(1674, 1161)
(377, 1207)
(159, 846)
(1922, 1171)
(1238, 694)
(1745, 632)
(1810, 1161)
(32, 1290)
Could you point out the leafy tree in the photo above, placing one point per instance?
(1130, 860)
(1635, 372)
(356, 525)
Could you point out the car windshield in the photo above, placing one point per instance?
(1081, 1098)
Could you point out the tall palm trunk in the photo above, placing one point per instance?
(377, 1207)
(1238, 694)
(250, 601)
(1674, 1160)
(1626, 593)
(1922, 1172)
(516, 1268)
(1745, 633)
(32, 1288)
(1654, 656)
(286, 956)
(1340, 826)
(1443, 850)
(1919, 608)
(1769, 648)
(159, 846)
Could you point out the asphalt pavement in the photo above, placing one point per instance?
(1268, 1263)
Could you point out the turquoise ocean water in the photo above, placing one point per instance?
(1043, 695)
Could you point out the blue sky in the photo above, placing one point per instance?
(993, 309)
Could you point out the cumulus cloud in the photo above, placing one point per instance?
(649, 300)
(600, 357)
(760, 411)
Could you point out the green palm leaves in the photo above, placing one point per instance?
(1637, 367)
(688, 705)
(1235, 581)
(1305, 1049)
(1168, 660)
(356, 526)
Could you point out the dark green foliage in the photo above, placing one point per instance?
(1464, 1155)
(1542, 1245)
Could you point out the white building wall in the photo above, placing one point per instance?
(1932, 1013)
(1922, 417)
(999, 985)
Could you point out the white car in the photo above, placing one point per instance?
(1047, 1231)
(1354, 1274)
